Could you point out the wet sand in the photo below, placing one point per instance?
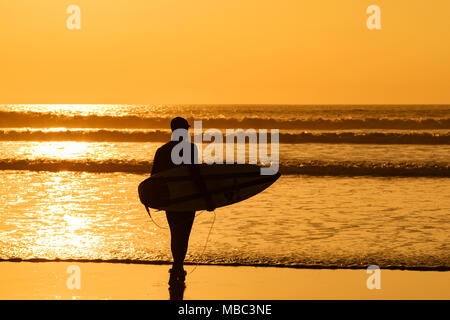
(47, 280)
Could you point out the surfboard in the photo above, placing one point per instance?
(175, 189)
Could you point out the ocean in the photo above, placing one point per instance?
(361, 185)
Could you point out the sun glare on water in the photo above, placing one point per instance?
(70, 110)
(67, 109)
(63, 227)
(63, 150)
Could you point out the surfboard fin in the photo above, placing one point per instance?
(148, 211)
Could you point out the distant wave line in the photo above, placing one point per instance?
(312, 168)
(160, 136)
(36, 119)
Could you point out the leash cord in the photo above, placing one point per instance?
(148, 211)
(207, 238)
(206, 242)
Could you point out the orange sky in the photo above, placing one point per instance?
(233, 51)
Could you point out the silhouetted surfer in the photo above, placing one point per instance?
(180, 222)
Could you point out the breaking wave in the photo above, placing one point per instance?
(10, 119)
(161, 135)
(312, 168)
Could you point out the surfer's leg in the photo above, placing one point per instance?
(180, 224)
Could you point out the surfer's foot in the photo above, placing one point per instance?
(177, 277)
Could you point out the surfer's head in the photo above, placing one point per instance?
(179, 123)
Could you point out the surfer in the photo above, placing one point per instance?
(180, 222)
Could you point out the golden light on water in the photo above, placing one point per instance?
(73, 222)
(68, 109)
(62, 129)
(67, 225)
(59, 150)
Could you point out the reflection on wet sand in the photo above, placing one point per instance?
(176, 290)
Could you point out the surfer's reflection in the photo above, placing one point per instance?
(176, 291)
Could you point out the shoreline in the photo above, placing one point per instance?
(31, 281)
(231, 264)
